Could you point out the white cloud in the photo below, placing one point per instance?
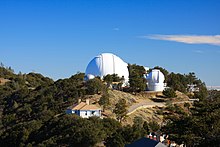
(199, 51)
(189, 39)
(116, 29)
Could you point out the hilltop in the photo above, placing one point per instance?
(32, 112)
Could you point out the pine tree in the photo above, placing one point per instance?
(120, 109)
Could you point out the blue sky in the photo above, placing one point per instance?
(58, 38)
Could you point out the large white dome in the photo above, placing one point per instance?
(105, 64)
(155, 80)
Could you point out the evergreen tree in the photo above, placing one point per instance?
(169, 92)
(120, 109)
(198, 128)
(94, 86)
(108, 79)
(104, 101)
(136, 78)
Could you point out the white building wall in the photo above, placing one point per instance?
(155, 86)
(89, 113)
(155, 80)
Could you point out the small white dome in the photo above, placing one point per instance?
(89, 77)
(146, 68)
(108, 63)
(155, 80)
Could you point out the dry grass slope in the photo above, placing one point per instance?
(147, 114)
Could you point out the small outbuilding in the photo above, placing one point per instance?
(84, 109)
(155, 80)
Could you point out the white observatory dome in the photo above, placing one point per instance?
(155, 80)
(105, 64)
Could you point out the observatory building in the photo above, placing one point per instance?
(155, 80)
(108, 63)
(105, 64)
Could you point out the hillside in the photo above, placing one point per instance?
(140, 105)
(32, 113)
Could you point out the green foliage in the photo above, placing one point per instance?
(136, 79)
(138, 128)
(191, 78)
(154, 126)
(127, 134)
(104, 101)
(35, 80)
(120, 109)
(33, 107)
(94, 86)
(177, 82)
(169, 92)
(116, 78)
(29, 101)
(180, 82)
(138, 121)
(200, 127)
(202, 93)
(116, 140)
(146, 127)
(108, 79)
(6, 72)
(32, 111)
(110, 126)
(113, 78)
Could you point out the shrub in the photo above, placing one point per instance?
(169, 92)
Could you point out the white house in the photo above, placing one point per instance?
(84, 110)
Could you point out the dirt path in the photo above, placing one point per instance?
(149, 104)
(144, 104)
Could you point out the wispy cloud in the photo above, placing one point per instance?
(198, 51)
(116, 29)
(189, 39)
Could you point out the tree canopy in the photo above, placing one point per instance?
(32, 112)
(200, 127)
(120, 109)
(136, 77)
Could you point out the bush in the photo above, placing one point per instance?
(154, 126)
(169, 92)
(94, 86)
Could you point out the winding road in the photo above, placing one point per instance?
(147, 104)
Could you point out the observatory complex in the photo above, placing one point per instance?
(108, 63)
